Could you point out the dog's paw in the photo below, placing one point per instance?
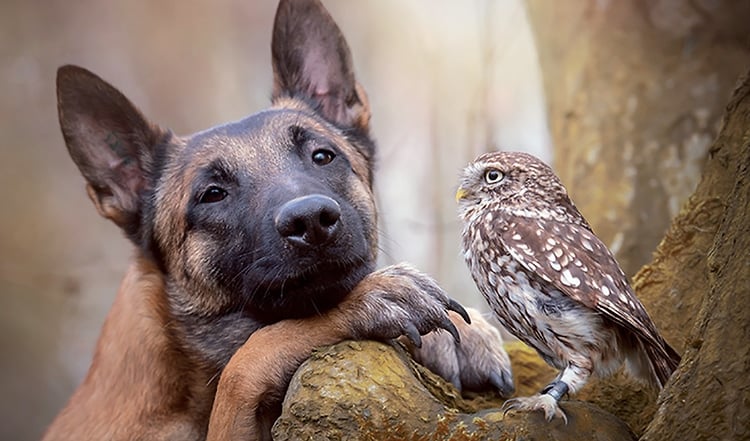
(400, 300)
(477, 363)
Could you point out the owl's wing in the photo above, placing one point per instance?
(573, 260)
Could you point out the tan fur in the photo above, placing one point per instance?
(117, 398)
(228, 294)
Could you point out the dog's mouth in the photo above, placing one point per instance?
(311, 291)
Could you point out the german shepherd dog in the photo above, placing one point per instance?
(255, 243)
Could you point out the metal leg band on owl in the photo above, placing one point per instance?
(556, 390)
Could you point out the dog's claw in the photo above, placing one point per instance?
(412, 333)
(503, 384)
(450, 327)
(456, 307)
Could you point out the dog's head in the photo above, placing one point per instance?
(274, 214)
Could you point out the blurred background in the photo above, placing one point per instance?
(634, 95)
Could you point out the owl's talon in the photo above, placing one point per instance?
(457, 307)
(507, 406)
(543, 402)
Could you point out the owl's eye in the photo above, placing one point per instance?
(493, 176)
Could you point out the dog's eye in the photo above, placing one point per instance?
(493, 176)
(213, 194)
(322, 156)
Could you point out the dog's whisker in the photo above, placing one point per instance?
(213, 377)
(251, 296)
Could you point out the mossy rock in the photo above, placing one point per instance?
(374, 391)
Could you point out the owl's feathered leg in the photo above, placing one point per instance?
(571, 379)
(557, 389)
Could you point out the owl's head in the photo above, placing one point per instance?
(514, 182)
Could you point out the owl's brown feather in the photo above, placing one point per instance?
(575, 261)
(550, 280)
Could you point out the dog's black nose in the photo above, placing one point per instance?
(309, 220)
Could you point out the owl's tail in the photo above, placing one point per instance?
(664, 360)
(655, 361)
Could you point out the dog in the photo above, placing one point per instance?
(255, 242)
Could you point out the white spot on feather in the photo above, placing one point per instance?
(567, 279)
(586, 244)
(494, 267)
(492, 278)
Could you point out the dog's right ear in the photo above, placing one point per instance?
(111, 143)
(312, 61)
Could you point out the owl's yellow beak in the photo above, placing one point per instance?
(460, 194)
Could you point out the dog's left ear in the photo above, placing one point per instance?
(311, 60)
(111, 142)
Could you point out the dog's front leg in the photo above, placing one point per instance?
(255, 378)
(395, 301)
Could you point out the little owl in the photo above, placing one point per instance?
(551, 281)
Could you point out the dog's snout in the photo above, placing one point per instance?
(309, 220)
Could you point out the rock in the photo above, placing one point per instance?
(370, 390)
(697, 288)
(708, 397)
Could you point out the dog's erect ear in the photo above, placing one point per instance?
(110, 141)
(311, 60)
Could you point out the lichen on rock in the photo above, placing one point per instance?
(368, 390)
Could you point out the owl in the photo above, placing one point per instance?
(551, 282)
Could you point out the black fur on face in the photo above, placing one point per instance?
(238, 178)
(219, 211)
